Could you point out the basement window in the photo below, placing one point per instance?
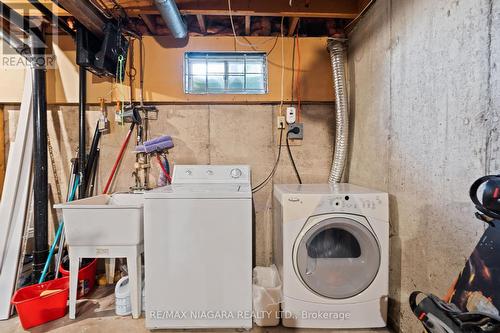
(225, 73)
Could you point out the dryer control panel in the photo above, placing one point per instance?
(347, 201)
(211, 174)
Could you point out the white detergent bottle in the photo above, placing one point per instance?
(123, 307)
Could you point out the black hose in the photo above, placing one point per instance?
(275, 167)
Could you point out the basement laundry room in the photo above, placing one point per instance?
(250, 165)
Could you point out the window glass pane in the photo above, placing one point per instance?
(236, 82)
(236, 67)
(225, 72)
(198, 68)
(216, 67)
(215, 82)
(254, 67)
(198, 83)
(255, 82)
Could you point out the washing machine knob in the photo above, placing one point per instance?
(189, 172)
(236, 173)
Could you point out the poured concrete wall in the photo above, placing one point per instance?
(425, 108)
(202, 134)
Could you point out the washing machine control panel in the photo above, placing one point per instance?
(216, 174)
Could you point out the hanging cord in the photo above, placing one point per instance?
(290, 153)
(276, 163)
(119, 81)
(282, 68)
(293, 70)
(275, 167)
(132, 71)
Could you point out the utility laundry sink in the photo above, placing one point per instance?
(104, 220)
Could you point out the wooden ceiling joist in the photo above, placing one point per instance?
(248, 23)
(26, 9)
(294, 21)
(201, 23)
(347, 9)
(150, 23)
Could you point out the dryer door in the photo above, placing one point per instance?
(337, 256)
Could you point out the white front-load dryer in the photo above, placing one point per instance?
(331, 246)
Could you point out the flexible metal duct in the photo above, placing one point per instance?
(172, 17)
(337, 55)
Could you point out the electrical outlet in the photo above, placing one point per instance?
(281, 123)
(296, 136)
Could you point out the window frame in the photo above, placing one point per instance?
(225, 56)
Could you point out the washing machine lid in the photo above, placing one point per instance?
(337, 256)
(201, 191)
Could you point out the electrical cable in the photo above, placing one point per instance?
(247, 44)
(274, 45)
(275, 167)
(293, 69)
(273, 171)
(290, 154)
(282, 68)
(298, 84)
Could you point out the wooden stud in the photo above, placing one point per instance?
(248, 22)
(294, 21)
(201, 23)
(150, 22)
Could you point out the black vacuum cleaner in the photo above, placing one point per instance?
(438, 316)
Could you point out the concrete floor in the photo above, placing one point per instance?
(97, 314)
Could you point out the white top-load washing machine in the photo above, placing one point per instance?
(198, 249)
(331, 246)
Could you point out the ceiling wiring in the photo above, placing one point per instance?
(246, 43)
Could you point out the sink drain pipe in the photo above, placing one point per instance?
(337, 50)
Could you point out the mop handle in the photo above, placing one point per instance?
(56, 238)
(118, 159)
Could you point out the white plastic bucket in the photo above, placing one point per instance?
(123, 307)
(267, 295)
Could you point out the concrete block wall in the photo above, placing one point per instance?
(203, 134)
(425, 104)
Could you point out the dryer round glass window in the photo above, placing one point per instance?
(337, 258)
